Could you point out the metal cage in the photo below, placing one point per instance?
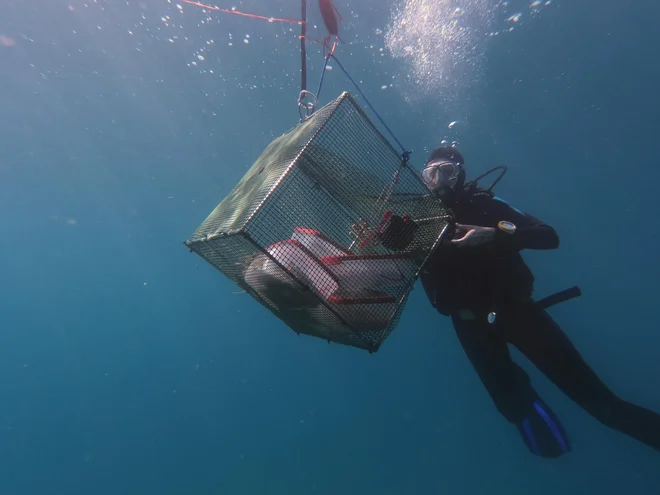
(302, 232)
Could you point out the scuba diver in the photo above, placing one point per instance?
(479, 279)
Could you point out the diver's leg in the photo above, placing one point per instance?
(536, 334)
(510, 388)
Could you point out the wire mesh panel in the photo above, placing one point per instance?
(328, 229)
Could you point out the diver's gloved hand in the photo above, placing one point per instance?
(542, 432)
(396, 233)
(473, 235)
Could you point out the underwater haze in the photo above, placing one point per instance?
(130, 366)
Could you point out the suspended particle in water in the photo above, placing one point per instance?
(6, 41)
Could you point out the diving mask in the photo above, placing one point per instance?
(440, 175)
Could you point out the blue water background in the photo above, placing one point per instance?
(128, 366)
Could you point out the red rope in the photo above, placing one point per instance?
(236, 12)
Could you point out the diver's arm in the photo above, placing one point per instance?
(530, 232)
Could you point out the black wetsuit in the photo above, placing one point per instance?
(468, 283)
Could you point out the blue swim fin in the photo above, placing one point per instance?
(543, 433)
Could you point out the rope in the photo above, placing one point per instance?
(325, 65)
(236, 12)
(308, 107)
(404, 152)
(303, 46)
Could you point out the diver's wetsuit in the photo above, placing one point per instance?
(468, 283)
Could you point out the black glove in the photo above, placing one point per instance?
(396, 233)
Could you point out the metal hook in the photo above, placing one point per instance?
(308, 107)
